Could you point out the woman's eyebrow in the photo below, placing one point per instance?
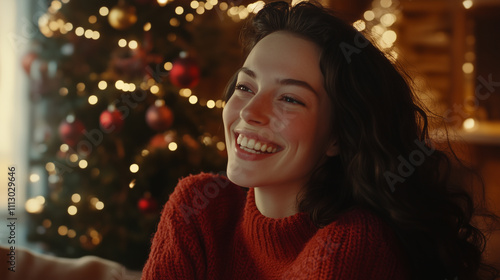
(285, 82)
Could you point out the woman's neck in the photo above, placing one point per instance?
(276, 202)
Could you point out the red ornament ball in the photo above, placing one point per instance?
(159, 117)
(147, 205)
(185, 73)
(72, 132)
(111, 121)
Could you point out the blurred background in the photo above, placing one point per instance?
(105, 104)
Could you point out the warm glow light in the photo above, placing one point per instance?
(133, 44)
(122, 43)
(96, 35)
(162, 2)
(92, 19)
(378, 30)
(64, 148)
(218, 103)
(99, 205)
(73, 157)
(385, 3)
(93, 100)
(185, 92)
(369, 15)
(468, 68)
(34, 178)
(194, 4)
(223, 6)
(62, 230)
(50, 167)
(80, 86)
(132, 184)
(389, 37)
(104, 11)
(469, 123)
(83, 164)
(193, 99)
(119, 84)
(172, 146)
(168, 66)
(102, 85)
(210, 104)
(76, 198)
(200, 10)
(174, 22)
(72, 210)
(179, 10)
(189, 17)
(154, 89)
(134, 168)
(388, 19)
(221, 146)
(359, 25)
(147, 26)
(467, 4)
(89, 33)
(34, 205)
(79, 31)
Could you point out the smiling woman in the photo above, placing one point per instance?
(343, 180)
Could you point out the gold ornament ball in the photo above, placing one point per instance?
(122, 17)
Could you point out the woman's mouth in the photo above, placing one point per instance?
(256, 146)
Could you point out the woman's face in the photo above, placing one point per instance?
(277, 122)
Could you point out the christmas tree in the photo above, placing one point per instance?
(126, 100)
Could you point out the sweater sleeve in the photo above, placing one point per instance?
(176, 250)
(359, 245)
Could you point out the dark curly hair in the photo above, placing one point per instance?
(387, 162)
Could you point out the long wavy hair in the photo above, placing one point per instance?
(387, 162)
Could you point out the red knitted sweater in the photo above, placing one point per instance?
(211, 229)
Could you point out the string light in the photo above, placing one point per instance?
(76, 198)
(133, 44)
(122, 43)
(72, 210)
(221, 146)
(469, 123)
(92, 19)
(179, 10)
(83, 164)
(134, 168)
(193, 99)
(93, 100)
(172, 146)
(468, 68)
(467, 4)
(79, 31)
(34, 178)
(102, 85)
(104, 11)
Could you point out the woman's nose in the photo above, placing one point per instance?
(258, 110)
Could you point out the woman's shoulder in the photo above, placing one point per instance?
(363, 228)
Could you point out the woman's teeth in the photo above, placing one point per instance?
(254, 146)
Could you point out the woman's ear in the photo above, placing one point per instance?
(333, 148)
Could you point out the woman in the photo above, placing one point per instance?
(342, 178)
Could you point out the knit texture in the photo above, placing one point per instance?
(211, 229)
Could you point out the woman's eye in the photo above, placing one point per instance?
(242, 88)
(291, 100)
